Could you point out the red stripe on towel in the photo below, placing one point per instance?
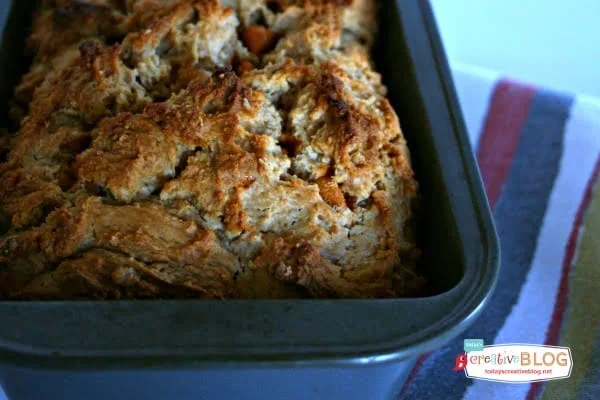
(413, 372)
(508, 111)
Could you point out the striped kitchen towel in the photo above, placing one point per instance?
(539, 155)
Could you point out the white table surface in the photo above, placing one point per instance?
(552, 43)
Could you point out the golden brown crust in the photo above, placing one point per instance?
(218, 149)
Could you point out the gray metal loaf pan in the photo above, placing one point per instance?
(305, 349)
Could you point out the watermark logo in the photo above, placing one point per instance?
(515, 362)
(473, 345)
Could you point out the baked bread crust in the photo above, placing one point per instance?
(206, 149)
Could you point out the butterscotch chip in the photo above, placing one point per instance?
(330, 192)
(258, 39)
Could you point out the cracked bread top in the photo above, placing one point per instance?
(205, 149)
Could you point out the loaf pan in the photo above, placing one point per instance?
(297, 349)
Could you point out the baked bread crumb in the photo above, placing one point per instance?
(205, 149)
